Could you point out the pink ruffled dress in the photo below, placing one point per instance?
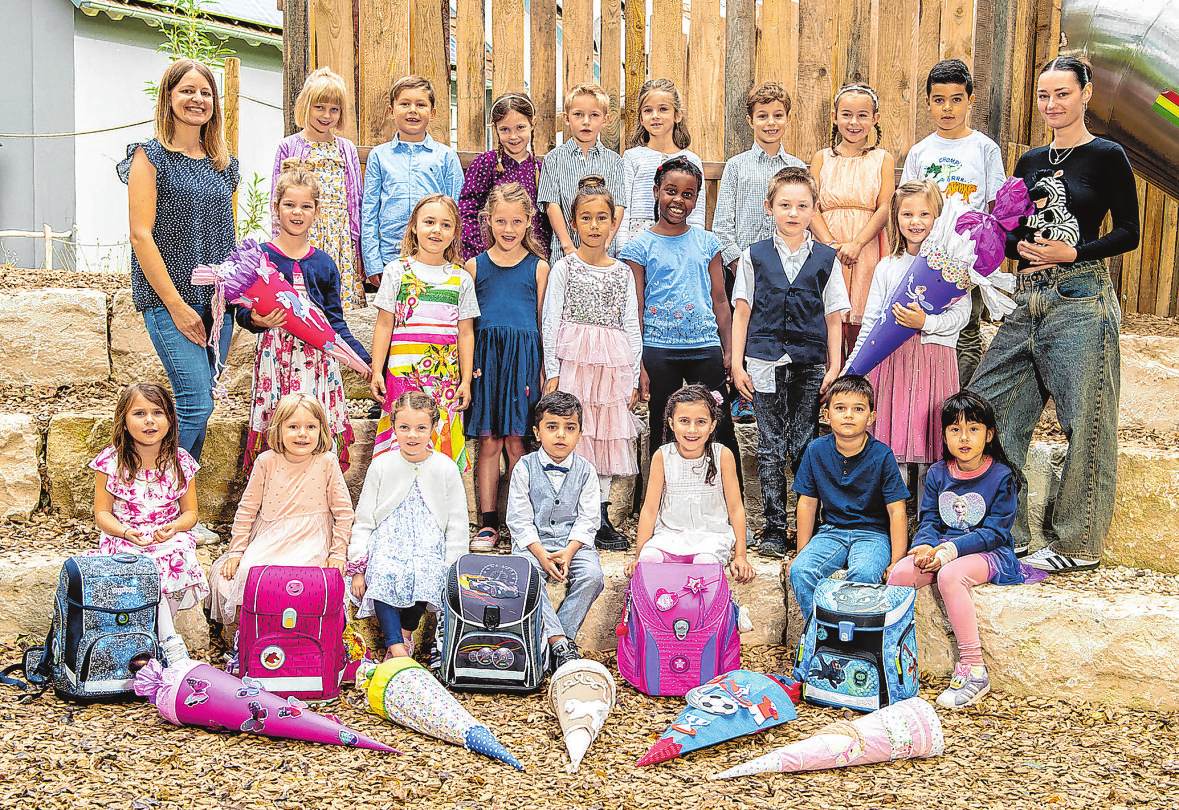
(848, 190)
(150, 501)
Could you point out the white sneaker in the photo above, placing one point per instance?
(173, 649)
(204, 535)
(1054, 563)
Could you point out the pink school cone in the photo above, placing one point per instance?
(195, 694)
(906, 730)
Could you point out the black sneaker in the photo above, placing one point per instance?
(773, 544)
(374, 411)
(563, 652)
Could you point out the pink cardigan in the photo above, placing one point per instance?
(296, 146)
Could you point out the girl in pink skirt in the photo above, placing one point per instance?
(912, 382)
(593, 344)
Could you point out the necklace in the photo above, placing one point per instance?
(1056, 158)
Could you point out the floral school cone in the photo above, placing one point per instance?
(582, 695)
(403, 691)
(730, 705)
(194, 694)
(906, 730)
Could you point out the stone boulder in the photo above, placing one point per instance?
(1150, 383)
(361, 323)
(53, 337)
(20, 472)
(74, 439)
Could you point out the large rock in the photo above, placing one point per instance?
(53, 337)
(20, 458)
(1150, 383)
(360, 323)
(74, 439)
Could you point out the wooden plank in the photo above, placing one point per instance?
(1168, 283)
(706, 68)
(471, 74)
(929, 29)
(542, 84)
(232, 117)
(635, 65)
(507, 48)
(1152, 242)
(812, 105)
(668, 52)
(1047, 47)
(384, 57)
(712, 168)
(957, 34)
(1132, 261)
(853, 50)
(1021, 89)
(333, 45)
(898, 43)
(611, 68)
(296, 58)
(577, 42)
(430, 58)
(777, 61)
(740, 67)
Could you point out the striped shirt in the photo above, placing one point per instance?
(563, 169)
(740, 218)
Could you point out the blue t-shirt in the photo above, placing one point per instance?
(854, 490)
(677, 292)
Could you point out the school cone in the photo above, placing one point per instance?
(906, 730)
(582, 695)
(403, 691)
(194, 694)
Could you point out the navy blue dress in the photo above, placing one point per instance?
(507, 348)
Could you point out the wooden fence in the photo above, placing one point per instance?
(812, 47)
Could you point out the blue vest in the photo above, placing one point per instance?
(554, 511)
(787, 317)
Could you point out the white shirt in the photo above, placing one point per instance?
(521, 514)
(970, 168)
(468, 302)
(889, 275)
(835, 299)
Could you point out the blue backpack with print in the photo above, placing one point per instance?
(859, 649)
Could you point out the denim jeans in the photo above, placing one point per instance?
(786, 421)
(1061, 342)
(190, 371)
(865, 552)
(970, 346)
(585, 583)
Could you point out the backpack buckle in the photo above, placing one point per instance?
(491, 617)
(846, 631)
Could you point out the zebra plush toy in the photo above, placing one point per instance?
(1052, 218)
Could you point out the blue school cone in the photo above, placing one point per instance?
(480, 739)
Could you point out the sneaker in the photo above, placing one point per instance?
(563, 652)
(751, 539)
(484, 541)
(1021, 551)
(173, 650)
(204, 535)
(742, 410)
(772, 545)
(965, 689)
(1048, 560)
(374, 411)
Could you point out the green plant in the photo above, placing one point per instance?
(253, 204)
(187, 40)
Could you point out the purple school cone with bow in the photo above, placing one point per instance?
(906, 730)
(194, 694)
(403, 691)
(964, 249)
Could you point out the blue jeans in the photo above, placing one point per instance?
(1061, 342)
(786, 421)
(866, 554)
(585, 582)
(191, 372)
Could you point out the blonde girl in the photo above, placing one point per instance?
(321, 110)
(283, 363)
(855, 185)
(512, 118)
(425, 327)
(510, 285)
(660, 133)
(295, 510)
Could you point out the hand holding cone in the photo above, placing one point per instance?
(582, 695)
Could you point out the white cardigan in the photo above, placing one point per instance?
(388, 481)
(889, 275)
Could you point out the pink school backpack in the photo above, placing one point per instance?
(291, 630)
(678, 629)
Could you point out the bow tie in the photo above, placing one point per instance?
(555, 468)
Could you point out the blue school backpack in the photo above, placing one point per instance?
(859, 649)
(104, 616)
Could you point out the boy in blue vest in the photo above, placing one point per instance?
(787, 300)
(553, 514)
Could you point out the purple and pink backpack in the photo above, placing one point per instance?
(678, 629)
(291, 630)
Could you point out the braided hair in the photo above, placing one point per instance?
(864, 90)
(506, 103)
(677, 164)
(695, 394)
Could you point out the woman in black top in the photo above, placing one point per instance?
(1062, 339)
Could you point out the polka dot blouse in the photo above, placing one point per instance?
(194, 221)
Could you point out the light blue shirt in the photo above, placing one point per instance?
(396, 175)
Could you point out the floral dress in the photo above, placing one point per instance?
(284, 364)
(405, 557)
(150, 501)
(332, 231)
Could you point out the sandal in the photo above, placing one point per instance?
(484, 541)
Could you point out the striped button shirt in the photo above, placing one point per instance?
(740, 218)
(563, 169)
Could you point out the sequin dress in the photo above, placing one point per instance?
(332, 231)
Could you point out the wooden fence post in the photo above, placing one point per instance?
(233, 67)
(740, 53)
(471, 71)
(48, 250)
(636, 60)
(543, 85)
(296, 57)
(614, 135)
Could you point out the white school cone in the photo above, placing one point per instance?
(582, 695)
